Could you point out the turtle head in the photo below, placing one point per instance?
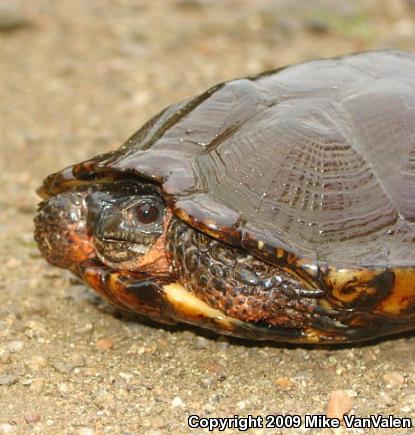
(121, 224)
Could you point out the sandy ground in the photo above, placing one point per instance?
(77, 78)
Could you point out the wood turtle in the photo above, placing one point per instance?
(277, 207)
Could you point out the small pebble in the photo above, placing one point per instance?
(85, 329)
(409, 397)
(6, 428)
(86, 431)
(4, 356)
(76, 360)
(214, 398)
(37, 362)
(7, 380)
(385, 399)
(394, 379)
(221, 376)
(340, 403)
(64, 388)
(126, 376)
(34, 329)
(11, 319)
(317, 25)
(31, 417)
(104, 344)
(16, 346)
(37, 385)
(177, 402)
(104, 400)
(241, 404)
(285, 383)
(222, 343)
(62, 366)
(207, 380)
(200, 343)
(11, 263)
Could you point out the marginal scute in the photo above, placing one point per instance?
(210, 216)
(400, 300)
(161, 168)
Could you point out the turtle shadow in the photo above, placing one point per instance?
(216, 337)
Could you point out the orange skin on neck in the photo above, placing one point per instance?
(156, 260)
(82, 247)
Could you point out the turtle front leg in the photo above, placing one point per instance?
(265, 297)
(165, 302)
(137, 293)
(170, 303)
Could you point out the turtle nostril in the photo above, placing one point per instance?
(60, 229)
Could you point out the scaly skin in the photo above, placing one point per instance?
(344, 305)
(208, 283)
(237, 283)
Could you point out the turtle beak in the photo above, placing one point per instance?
(61, 230)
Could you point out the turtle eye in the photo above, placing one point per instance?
(131, 218)
(147, 213)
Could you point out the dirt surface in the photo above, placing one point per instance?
(77, 78)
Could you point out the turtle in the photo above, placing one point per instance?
(275, 207)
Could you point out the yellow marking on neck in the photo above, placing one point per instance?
(190, 306)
